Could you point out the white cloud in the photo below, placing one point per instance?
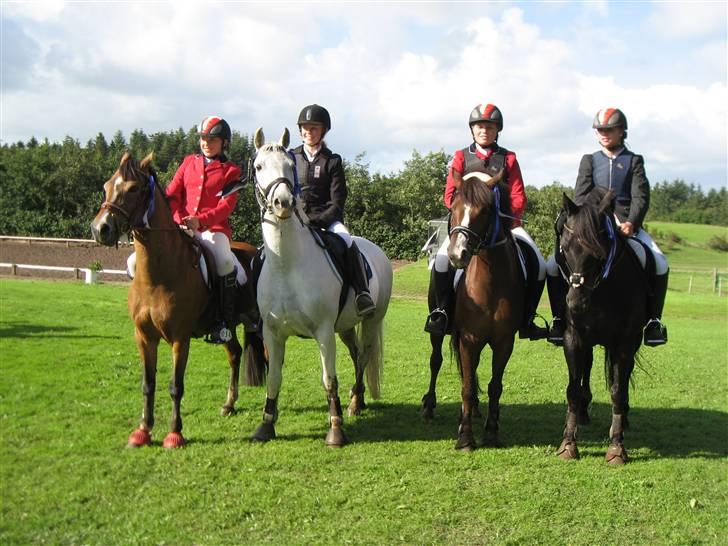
(693, 18)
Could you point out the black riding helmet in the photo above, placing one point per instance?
(315, 114)
(215, 126)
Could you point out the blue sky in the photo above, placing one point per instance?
(396, 76)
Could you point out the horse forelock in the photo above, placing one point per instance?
(587, 224)
(132, 170)
(476, 192)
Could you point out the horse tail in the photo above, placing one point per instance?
(256, 362)
(371, 338)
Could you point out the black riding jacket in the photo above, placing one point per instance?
(323, 186)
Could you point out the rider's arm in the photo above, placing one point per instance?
(640, 192)
(584, 180)
(215, 210)
(518, 190)
(458, 164)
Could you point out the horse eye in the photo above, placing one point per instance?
(133, 189)
(258, 167)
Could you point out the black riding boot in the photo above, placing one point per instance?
(358, 277)
(437, 319)
(222, 331)
(655, 331)
(557, 298)
(528, 329)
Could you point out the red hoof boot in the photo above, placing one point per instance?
(139, 438)
(173, 440)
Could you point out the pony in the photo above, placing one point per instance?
(606, 304)
(168, 298)
(489, 299)
(299, 293)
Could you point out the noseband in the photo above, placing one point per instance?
(578, 279)
(262, 194)
(143, 221)
(474, 242)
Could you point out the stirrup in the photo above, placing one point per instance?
(655, 333)
(556, 332)
(436, 322)
(533, 332)
(364, 304)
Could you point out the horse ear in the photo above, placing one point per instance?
(124, 158)
(286, 138)
(258, 138)
(495, 179)
(569, 206)
(607, 203)
(147, 161)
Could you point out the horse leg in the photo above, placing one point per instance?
(357, 391)
(621, 370)
(469, 357)
(180, 352)
(335, 437)
(585, 394)
(148, 351)
(577, 356)
(429, 400)
(501, 354)
(234, 352)
(276, 352)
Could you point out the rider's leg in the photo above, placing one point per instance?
(557, 299)
(224, 263)
(655, 330)
(356, 271)
(442, 279)
(534, 288)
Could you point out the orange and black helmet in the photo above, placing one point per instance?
(486, 112)
(215, 126)
(606, 118)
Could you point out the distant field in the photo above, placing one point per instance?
(692, 252)
(697, 234)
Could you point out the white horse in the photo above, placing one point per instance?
(298, 295)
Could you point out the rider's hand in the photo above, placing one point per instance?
(192, 222)
(627, 228)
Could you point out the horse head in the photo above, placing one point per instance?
(476, 215)
(587, 246)
(274, 172)
(128, 196)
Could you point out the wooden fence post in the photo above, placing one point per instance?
(715, 279)
(690, 285)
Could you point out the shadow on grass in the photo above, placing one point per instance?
(669, 432)
(23, 330)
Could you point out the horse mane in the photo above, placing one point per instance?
(477, 192)
(131, 169)
(588, 223)
(272, 147)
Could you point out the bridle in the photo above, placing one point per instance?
(135, 220)
(474, 242)
(262, 195)
(578, 279)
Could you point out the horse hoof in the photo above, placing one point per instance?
(355, 407)
(465, 443)
(616, 455)
(264, 432)
(568, 451)
(428, 413)
(335, 437)
(226, 411)
(173, 440)
(139, 438)
(491, 440)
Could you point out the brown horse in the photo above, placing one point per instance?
(489, 299)
(168, 298)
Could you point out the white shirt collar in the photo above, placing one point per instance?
(313, 152)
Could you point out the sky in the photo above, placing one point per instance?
(395, 76)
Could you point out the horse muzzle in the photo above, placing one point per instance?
(104, 229)
(458, 252)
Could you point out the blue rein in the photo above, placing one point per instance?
(612, 246)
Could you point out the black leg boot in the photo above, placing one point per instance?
(655, 331)
(557, 298)
(358, 277)
(528, 329)
(437, 319)
(222, 332)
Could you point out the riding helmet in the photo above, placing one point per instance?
(606, 118)
(315, 114)
(215, 126)
(486, 112)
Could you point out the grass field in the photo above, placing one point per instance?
(70, 395)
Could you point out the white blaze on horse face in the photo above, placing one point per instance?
(460, 245)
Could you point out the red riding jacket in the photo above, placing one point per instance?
(193, 192)
(513, 170)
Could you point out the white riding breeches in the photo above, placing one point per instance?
(219, 245)
(340, 230)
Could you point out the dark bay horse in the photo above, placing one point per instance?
(488, 302)
(606, 305)
(168, 298)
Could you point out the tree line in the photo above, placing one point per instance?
(54, 189)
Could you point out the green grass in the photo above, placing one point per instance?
(70, 395)
(692, 253)
(697, 234)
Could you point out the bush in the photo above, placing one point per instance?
(718, 242)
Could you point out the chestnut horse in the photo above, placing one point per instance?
(168, 298)
(489, 298)
(606, 305)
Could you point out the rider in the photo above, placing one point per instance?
(323, 190)
(486, 122)
(615, 167)
(194, 201)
